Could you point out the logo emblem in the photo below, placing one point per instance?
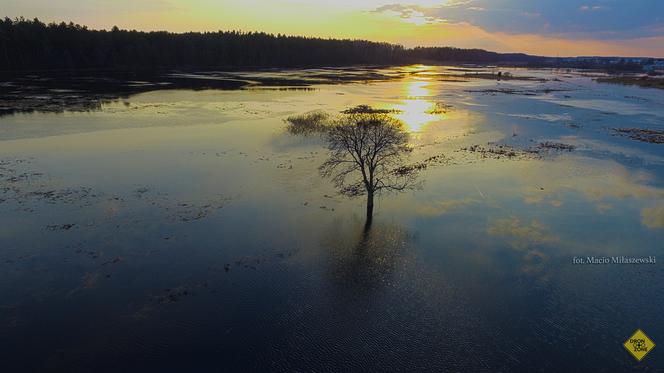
(639, 345)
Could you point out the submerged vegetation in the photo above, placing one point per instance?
(308, 123)
(439, 108)
(319, 121)
(499, 76)
(640, 134)
(641, 81)
(366, 109)
(60, 91)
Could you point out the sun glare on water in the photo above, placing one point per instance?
(416, 110)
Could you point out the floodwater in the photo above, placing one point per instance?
(186, 230)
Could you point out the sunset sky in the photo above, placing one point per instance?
(547, 27)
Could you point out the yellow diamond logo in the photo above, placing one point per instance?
(639, 345)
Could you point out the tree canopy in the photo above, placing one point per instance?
(367, 151)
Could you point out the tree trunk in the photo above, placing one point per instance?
(370, 207)
(6, 55)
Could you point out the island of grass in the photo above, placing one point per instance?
(641, 81)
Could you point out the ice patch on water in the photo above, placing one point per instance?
(546, 117)
(607, 106)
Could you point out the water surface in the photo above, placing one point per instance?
(187, 230)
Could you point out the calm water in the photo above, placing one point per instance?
(181, 230)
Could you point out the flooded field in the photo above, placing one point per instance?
(175, 224)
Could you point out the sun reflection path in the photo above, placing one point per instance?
(417, 110)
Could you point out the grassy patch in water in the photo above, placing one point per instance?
(308, 123)
(366, 109)
(640, 134)
(641, 81)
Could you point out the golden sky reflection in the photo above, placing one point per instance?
(415, 109)
(551, 185)
(424, 115)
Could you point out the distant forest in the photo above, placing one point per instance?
(34, 45)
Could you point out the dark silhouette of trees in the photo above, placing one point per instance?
(450, 54)
(366, 157)
(31, 44)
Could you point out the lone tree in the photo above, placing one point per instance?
(367, 152)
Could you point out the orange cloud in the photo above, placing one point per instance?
(465, 35)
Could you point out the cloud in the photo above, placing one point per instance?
(445, 206)
(521, 235)
(653, 218)
(410, 13)
(588, 8)
(603, 19)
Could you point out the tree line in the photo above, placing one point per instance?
(31, 44)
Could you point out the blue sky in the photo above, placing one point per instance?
(604, 19)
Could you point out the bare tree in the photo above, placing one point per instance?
(366, 156)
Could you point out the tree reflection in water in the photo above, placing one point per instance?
(365, 260)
